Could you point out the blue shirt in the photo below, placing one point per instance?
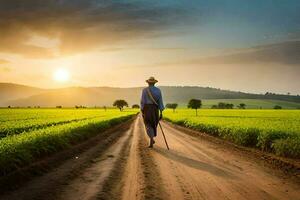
(156, 93)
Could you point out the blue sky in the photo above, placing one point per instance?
(241, 23)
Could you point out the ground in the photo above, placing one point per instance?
(118, 165)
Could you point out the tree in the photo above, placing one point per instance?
(242, 106)
(214, 107)
(277, 107)
(120, 103)
(195, 104)
(229, 106)
(81, 106)
(221, 105)
(104, 107)
(172, 106)
(136, 106)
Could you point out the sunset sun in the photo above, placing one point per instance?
(61, 75)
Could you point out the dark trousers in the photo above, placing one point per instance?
(151, 119)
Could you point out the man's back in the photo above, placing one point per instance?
(156, 93)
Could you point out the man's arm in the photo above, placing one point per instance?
(143, 99)
(161, 105)
(160, 102)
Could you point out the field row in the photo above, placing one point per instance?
(23, 120)
(19, 150)
(10, 115)
(269, 130)
(17, 127)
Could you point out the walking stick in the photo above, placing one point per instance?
(164, 136)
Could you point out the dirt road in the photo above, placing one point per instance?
(194, 168)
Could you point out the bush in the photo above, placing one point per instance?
(266, 139)
(245, 137)
(136, 106)
(287, 147)
(277, 107)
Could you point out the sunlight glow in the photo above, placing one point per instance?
(61, 75)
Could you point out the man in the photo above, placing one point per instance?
(151, 107)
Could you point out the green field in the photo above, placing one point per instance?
(252, 103)
(28, 134)
(277, 131)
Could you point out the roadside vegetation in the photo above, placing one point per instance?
(276, 131)
(30, 134)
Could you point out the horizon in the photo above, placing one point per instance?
(199, 86)
(252, 47)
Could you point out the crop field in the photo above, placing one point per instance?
(275, 131)
(27, 134)
(252, 103)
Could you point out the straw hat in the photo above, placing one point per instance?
(151, 80)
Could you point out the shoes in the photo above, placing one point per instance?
(151, 143)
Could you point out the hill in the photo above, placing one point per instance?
(11, 91)
(19, 95)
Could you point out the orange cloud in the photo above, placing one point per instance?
(3, 61)
(80, 25)
(5, 69)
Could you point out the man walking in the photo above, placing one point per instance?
(152, 107)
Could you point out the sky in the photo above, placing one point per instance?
(242, 45)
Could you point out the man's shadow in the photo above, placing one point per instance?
(196, 164)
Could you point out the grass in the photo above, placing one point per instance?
(275, 131)
(19, 150)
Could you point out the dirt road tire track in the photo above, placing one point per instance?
(112, 186)
(154, 189)
(141, 178)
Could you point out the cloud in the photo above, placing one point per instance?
(286, 53)
(5, 69)
(80, 25)
(4, 61)
(281, 53)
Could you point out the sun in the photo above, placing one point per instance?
(61, 75)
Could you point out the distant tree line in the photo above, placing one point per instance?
(77, 107)
(193, 104)
(222, 105)
(277, 107)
